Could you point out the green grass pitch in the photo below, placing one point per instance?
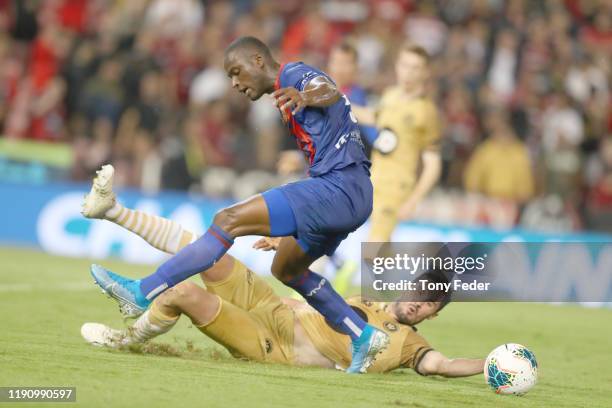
(45, 299)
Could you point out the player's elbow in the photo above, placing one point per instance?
(434, 363)
(433, 160)
(335, 95)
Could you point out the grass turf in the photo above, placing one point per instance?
(45, 299)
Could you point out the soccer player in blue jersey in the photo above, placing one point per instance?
(313, 215)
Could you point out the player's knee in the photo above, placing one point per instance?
(228, 220)
(286, 271)
(184, 292)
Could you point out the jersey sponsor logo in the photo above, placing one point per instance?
(386, 142)
(318, 288)
(353, 136)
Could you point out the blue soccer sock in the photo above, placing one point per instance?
(321, 295)
(194, 258)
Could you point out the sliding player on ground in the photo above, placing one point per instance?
(409, 134)
(313, 215)
(242, 313)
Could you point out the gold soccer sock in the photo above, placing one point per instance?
(151, 324)
(164, 234)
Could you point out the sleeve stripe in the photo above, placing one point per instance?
(420, 358)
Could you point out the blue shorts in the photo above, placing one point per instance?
(321, 211)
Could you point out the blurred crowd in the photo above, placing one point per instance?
(523, 88)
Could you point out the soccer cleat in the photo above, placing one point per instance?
(101, 197)
(371, 342)
(132, 303)
(100, 335)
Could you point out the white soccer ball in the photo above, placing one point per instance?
(511, 369)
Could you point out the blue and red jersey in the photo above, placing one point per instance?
(329, 137)
(358, 96)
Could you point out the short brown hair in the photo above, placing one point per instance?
(413, 48)
(348, 48)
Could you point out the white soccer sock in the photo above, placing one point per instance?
(144, 330)
(162, 233)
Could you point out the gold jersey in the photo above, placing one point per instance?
(406, 347)
(407, 127)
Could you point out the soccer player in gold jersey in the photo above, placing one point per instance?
(240, 311)
(409, 136)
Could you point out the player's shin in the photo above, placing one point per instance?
(152, 323)
(319, 293)
(162, 233)
(194, 258)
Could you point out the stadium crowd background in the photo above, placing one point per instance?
(140, 84)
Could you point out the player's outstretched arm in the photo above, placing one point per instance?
(435, 363)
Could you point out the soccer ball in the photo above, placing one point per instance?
(511, 369)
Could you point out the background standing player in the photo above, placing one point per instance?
(409, 134)
(313, 215)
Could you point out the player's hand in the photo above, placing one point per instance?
(289, 99)
(406, 211)
(267, 244)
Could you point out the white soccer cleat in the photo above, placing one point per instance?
(100, 335)
(101, 197)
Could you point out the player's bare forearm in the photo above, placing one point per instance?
(462, 367)
(365, 116)
(435, 363)
(320, 93)
(432, 168)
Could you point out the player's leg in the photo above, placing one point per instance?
(161, 233)
(383, 220)
(249, 217)
(290, 265)
(159, 319)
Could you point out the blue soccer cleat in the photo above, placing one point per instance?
(132, 303)
(371, 342)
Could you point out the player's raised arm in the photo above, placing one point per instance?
(435, 363)
(320, 92)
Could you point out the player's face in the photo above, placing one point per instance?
(246, 73)
(414, 312)
(411, 70)
(342, 67)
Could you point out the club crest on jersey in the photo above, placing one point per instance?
(386, 142)
(392, 327)
(268, 346)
